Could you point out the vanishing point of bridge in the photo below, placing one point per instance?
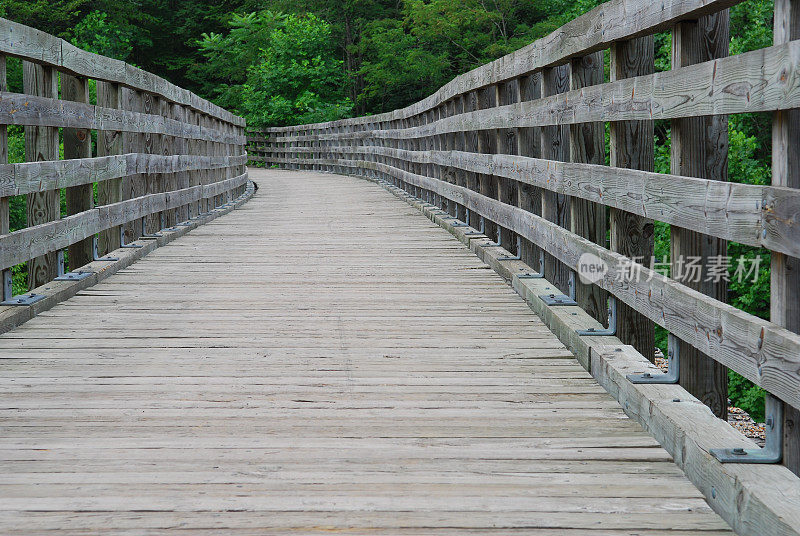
(436, 320)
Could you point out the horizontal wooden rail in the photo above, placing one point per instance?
(750, 214)
(163, 156)
(44, 49)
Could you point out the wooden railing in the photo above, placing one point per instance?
(164, 157)
(515, 148)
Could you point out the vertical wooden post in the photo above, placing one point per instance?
(529, 144)
(77, 144)
(506, 143)
(180, 148)
(555, 146)
(109, 143)
(152, 145)
(587, 145)
(785, 270)
(486, 184)
(168, 180)
(471, 146)
(41, 143)
(700, 149)
(632, 146)
(134, 184)
(5, 214)
(460, 143)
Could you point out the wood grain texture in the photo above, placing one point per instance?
(700, 148)
(555, 146)
(364, 407)
(77, 145)
(632, 147)
(109, 144)
(588, 219)
(785, 269)
(41, 143)
(5, 213)
(39, 47)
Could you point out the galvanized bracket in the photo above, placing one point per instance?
(560, 299)
(773, 446)
(96, 257)
(516, 257)
(122, 243)
(24, 299)
(557, 299)
(673, 373)
(534, 275)
(8, 293)
(612, 322)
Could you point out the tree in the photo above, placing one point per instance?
(276, 69)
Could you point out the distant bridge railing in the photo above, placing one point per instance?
(516, 149)
(164, 157)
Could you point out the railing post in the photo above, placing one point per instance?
(529, 144)
(109, 143)
(41, 143)
(472, 145)
(555, 146)
(5, 213)
(152, 146)
(700, 149)
(485, 146)
(506, 143)
(587, 145)
(133, 185)
(632, 146)
(785, 270)
(78, 144)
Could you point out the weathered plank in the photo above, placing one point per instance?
(700, 148)
(41, 143)
(377, 403)
(633, 233)
(785, 269)
(77, 145)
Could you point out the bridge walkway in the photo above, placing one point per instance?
(322, 359)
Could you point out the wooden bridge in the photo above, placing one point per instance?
(438, 320)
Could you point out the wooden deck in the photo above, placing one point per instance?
(322, 359)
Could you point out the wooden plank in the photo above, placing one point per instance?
(5, 213)
(78, 144)
(367, 394)
(529, 145)
(41, 143)
(700, 148)
(133, 185)
(632, 147)
(784, 269)
(109, 144)
(485, 182)
(555, 146)
(588, 219)
(722, 209)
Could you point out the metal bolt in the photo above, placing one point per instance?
(647, 375)
(676, 399)
(739, 451)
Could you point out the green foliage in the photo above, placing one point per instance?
(96, 33)
(290, 75)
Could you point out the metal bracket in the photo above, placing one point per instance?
(73, 276)
(557, 299)
(773, 447)
(673, 373)
(96, 257)
(516, 257)
(612, 322)
(8, 293)
(24, 299)
(122, 243)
